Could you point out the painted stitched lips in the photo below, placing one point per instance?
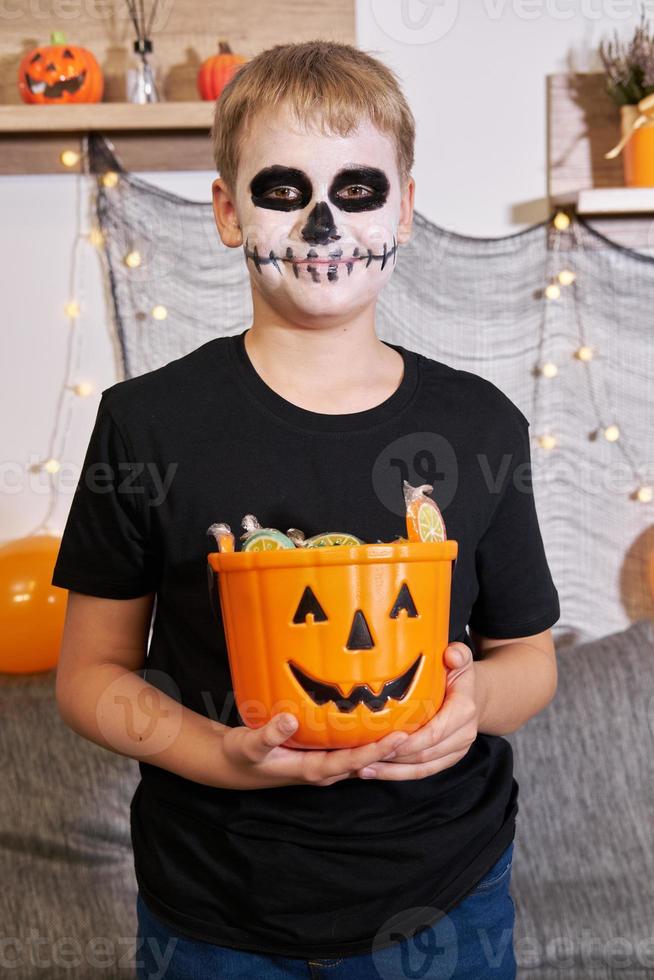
(315, 263)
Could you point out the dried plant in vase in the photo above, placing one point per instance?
(629, 67)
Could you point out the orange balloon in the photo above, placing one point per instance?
(32, 610)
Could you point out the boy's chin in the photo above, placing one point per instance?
(322, 298)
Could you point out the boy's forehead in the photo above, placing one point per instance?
(279, 139)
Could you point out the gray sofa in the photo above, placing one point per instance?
(583, 869)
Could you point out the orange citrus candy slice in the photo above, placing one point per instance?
(331, 538)
(424, 520)
(267, 539)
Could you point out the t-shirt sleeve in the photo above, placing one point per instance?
(517, 596)
(106, 548)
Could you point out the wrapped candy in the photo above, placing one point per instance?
(424, 520)
(257, 538)
(223, 535)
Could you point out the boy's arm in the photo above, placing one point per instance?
(101, 696)
(517, 678)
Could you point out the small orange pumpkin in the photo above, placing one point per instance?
(58, 73)
(349, 639)
(217, 70)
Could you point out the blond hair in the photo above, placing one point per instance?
(326, 81)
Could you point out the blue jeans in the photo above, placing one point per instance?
(473, 940)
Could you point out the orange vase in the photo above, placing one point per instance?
(350, 640)
(638, 152)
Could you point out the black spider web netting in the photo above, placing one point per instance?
(476, 304)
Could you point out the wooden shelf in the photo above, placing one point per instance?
(616, 200)
(158, 136)
(609, 201)
(105, 117)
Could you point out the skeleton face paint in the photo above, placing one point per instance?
(319, 229)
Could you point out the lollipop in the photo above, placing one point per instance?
(424, 520)
(257, 538)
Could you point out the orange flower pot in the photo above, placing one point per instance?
(638, 152)
(350, 640)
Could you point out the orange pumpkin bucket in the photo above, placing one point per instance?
(348, 639)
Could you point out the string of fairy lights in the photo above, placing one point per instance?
(74, 387)
(607, 425)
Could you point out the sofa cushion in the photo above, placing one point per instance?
(67, 905)
(584, 850)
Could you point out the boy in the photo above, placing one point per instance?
(254, 859)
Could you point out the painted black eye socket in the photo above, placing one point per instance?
(267, 183)
(309, 604)
(404, 601)
(37, 57)
(371, 180)
(68, 53)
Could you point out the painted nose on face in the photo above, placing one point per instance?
(320, 228)
(360, 637)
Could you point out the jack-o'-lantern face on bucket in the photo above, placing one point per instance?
(348, 639)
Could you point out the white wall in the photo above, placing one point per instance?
(474, 73)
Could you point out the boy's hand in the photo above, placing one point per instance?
(446, 738)
(257, 759)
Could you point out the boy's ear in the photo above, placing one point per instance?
(406, 212)
(225, 214)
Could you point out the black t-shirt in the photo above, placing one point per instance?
(304, 870)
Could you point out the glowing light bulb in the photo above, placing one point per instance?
(72, 308)
(133, 259)
(69, 158)
(51, 465)
(159, 312)
(83, 389)
(584, 353)
(561, 221)
(96, 237)
(552, 291)
(549, 369)
(110, 179)
(645, 494)
(612, 433)
(566, 277)
(546, 441)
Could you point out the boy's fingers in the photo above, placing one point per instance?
(345, 760)
(275, 732)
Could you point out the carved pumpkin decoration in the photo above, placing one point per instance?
(217, 70)
(59, 73)
(350, 640)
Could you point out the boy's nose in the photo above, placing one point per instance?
(320, 228)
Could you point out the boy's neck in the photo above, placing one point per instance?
(331, 370)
